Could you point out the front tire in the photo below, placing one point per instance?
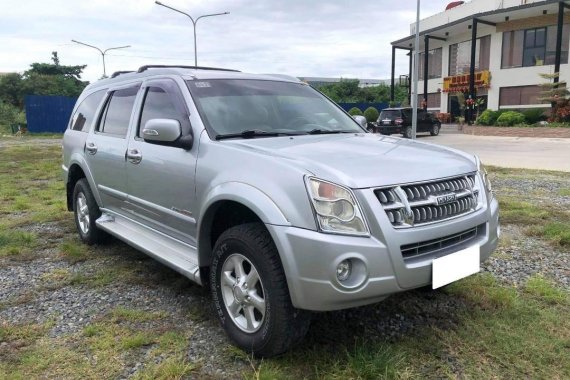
(250, 293)
(86, 212)
(435, 130)
(408, 132)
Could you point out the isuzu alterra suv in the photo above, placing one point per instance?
(266, 191)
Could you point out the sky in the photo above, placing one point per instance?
(349, 39)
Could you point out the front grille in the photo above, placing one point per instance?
(436, 245)
(429, 202)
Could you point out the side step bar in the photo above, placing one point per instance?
(173, 253)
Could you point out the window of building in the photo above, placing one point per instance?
(460, 56)
(433, 100)
(117, 114)
(83, 116)
(434, 64)
(520, 95)
(533, 47)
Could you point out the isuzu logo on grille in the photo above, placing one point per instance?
(445, 199)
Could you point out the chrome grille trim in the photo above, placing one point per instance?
(429, 202)
(428, 247)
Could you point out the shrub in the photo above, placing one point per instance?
(510, 118)
(371, 114)
(488, 117)
(534, 115)
(355, 111)
(9, 115)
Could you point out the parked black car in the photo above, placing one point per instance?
(399, 120)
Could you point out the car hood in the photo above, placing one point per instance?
(365, 160)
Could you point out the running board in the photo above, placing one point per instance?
(173, 253)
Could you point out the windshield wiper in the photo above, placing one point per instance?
(317, 131)
(249, 133)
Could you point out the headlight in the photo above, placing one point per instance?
(336, 208)
(485, 178)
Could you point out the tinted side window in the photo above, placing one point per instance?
(160, 104)
(85, 113)
(117, 114)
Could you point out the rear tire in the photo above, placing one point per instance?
(86, 212)
(435, 129)
(371, 129)
(250, 293)
(408, 132)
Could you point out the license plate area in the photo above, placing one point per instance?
(455, 266)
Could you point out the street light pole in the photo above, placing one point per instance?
(103, 52)
(194, 22)
(416, 73)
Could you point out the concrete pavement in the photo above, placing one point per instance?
(511, 152)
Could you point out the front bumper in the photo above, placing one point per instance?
(310, 258)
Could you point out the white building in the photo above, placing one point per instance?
(516, 40)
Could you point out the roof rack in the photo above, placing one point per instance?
(146, 67)
(117, 73)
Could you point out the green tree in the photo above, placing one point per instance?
(557, 95)
(42, 79)
(348, 91)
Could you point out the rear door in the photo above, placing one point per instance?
(423, 121)
(106, 145)
(161, 180)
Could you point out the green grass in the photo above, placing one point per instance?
(503, 332)
(74, 250)
(15, 242)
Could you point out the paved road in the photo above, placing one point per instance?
(511, 152)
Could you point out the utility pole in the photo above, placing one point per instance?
(194, 22)
(103, 52)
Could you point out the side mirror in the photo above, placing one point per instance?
(361, 120)
(166, 132)
(161, 130)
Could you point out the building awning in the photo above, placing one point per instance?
(498, 16)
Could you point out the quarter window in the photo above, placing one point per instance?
(84, 115)
(117, 114)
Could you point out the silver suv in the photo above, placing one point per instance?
(266, 191)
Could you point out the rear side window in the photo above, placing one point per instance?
(85, 113)
(117, 114)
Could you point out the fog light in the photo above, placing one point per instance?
(343, 270)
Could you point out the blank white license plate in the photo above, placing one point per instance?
(455, 266)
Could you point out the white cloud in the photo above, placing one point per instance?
(305, 38)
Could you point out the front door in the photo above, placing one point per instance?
(106, 145)
(161, 179)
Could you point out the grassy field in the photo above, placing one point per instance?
(476, 328)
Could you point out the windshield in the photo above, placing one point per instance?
(390, 114)
(253, 108)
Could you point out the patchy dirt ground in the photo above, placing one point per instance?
(108, 311)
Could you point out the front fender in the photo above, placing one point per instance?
(253, 198)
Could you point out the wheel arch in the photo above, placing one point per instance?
(231, 204)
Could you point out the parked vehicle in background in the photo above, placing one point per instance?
(399, 120)
(267, 191)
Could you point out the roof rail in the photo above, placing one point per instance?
(146, 67)
(117, 73)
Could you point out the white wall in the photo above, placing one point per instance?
(522, 76)
(465, 10)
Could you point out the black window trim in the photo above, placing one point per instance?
(103, 110)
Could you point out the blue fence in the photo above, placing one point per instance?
(363, 106)
(48, 113)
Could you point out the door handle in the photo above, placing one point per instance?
(91, 148)
(134, 156)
